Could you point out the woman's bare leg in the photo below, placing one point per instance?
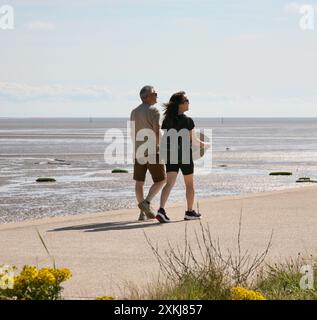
(170, 182)
(190, 191)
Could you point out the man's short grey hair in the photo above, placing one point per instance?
(145, 92)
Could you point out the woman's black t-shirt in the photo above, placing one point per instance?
(180, 122)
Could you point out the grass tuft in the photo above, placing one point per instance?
(207, 273)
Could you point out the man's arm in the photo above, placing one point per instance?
(155, 115)
(132, 127)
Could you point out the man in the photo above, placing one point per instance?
(147, 116)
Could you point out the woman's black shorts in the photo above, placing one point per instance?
(186, 169)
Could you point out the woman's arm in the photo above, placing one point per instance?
(197, 142)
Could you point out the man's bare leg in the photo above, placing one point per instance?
(154, 190)
(139, 191)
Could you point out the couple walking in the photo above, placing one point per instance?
(146, 118)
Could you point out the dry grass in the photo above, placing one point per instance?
(207, 273)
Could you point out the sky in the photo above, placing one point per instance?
(79, 58)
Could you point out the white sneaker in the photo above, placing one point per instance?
(162, 216)
(192, 215)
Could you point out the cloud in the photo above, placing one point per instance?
(41, 25)
(25, 92)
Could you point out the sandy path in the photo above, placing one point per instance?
(104, 251)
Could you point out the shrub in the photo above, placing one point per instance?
(239, 293)
(281, 281)
(206, 275)
(34, 284)
(211, 275)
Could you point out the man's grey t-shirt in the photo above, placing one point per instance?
(145, 117)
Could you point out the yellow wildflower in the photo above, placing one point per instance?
(45, 277)
(32, 283)
(105, 298)
(239, 293)
(19, 282)
(61, 275)
(29, 273)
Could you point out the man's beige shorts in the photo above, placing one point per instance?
(157, 171)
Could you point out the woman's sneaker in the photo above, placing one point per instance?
(162, 216)
(192, 215)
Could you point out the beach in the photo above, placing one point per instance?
(108, 251)
(71, 150)
(158, 150)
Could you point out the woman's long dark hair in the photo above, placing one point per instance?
(171, 108)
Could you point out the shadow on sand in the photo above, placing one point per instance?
(110, 226)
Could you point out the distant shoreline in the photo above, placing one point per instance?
(122, 118)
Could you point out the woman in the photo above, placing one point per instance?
(176, 122)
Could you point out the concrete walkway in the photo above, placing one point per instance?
(108, 250)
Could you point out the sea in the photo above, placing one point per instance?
(73, 151)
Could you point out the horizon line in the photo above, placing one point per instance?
(218, 117)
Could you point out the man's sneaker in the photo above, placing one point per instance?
(146, 208)
(142, 216)
(162, 216)
(192, 215)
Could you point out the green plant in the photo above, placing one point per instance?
(239, 293)
(205, 273)
(281, 281)
(34, 284)
(37, 284)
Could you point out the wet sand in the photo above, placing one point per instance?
(85, 184)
